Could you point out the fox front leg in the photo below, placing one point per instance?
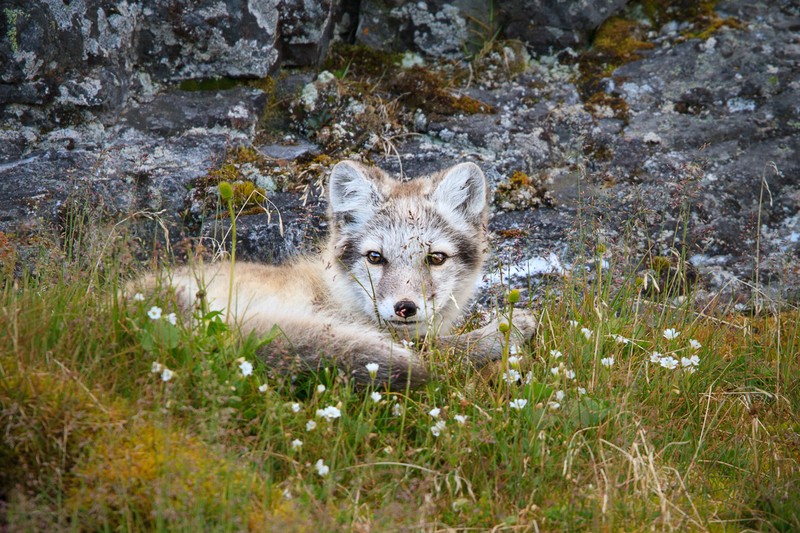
(486, 344)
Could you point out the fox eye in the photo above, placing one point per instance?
(436, 258)
(375, 258)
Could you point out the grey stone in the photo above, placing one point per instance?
(144, 163)
(173, 113)
(286, 229)
(289, 151)
(306, 30)
(442, 28)
(435, 28)
(548, 24)
(84, 60)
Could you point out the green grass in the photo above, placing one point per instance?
(93, 439)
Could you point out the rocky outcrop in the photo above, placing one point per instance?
(62, 63)
(548, 25)
(441, 28)
(684, 147)
(87, 59)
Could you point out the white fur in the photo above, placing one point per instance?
(332, 307)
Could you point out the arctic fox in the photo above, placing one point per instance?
(401, 263)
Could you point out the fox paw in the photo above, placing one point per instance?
(397, 367)
(524, 324)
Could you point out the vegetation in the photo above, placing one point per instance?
(631, 410)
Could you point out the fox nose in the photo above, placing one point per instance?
(405, 308)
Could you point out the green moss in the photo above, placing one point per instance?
(618, 40)
(522, 192)
(246, 195)
(358, 61)
(12, 18)
(502, 59)
(419, 88)
(148, 473)
(46, 419)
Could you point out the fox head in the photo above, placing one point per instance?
(407, 254)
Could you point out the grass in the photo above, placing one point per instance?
(95, 438)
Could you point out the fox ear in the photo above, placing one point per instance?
(463, 189)
(353, 193)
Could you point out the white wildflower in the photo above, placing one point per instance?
(655, 357)
(407, 344)
(297, 444)
(262, 388)
(671, 334)
(694, 344)
(311, 425)
(437, 428)
(372, 368)
(138, 297)
(513, 360)
(461, 419)
(154, 313)
(619, 339)
(156, 367)
(607, 361)
(246, 367)
(166, 374)
(397, 409)
(554, 370)
(581, 390)
(570, 374)
(574, 323)
(322, 468)
(435, 412)
(295, 407)
(321, 388)
(690, 361)
(587, 333)
(519, 403)
(172, 318)
(668, 362)
(560, 395)
(376, 396)
(553, 405)
(329, 413)
(555, 354)
(511, 376)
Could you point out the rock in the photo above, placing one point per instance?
(190, 39)
(144, 163)
(289, 151)
(170, 114)
(65, 63)
(442, 28)
(697, 161)
(286, 229)
(306, 30)
(436, 28)
(553, 24)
